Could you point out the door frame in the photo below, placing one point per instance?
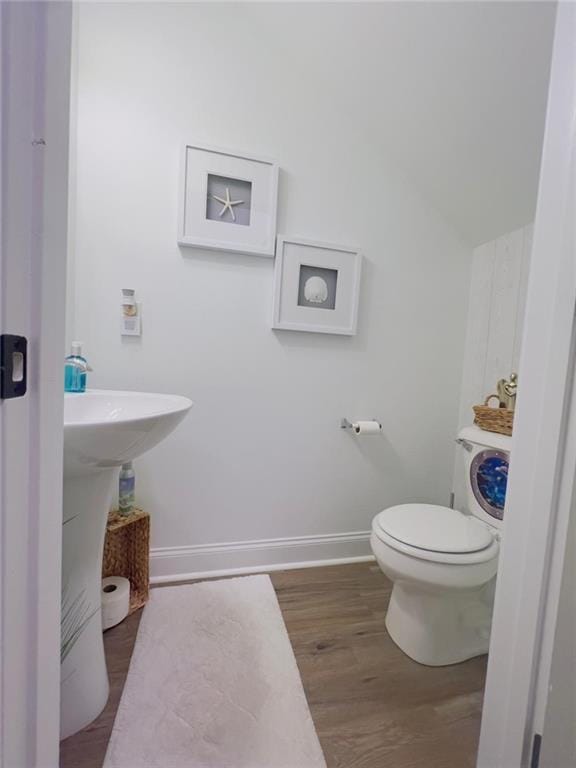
(541, 482)
(35, 93)
(30, 587)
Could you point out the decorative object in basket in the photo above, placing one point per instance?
(507, 389)
(501, 418)
(127, 553)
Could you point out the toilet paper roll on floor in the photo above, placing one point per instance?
(115, 600)
(366, 428)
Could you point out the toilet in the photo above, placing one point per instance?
(443, 562)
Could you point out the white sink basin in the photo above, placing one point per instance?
(102, 430)
(106, 428)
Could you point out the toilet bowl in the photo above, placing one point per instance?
(443, 562)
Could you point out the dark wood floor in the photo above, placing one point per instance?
(372, 706)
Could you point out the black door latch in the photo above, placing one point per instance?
(13, 366)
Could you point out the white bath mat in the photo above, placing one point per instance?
(213, 683)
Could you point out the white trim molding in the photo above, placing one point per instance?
(224, 559)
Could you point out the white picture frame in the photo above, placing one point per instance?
(316, 286)
(210, 176)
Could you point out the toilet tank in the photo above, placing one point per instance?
(486, 457)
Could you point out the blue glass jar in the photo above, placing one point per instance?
(75, 367)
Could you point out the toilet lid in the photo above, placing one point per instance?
(434, 528)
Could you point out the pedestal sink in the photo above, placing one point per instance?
(102, 430)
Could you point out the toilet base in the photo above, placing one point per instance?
(438, 628)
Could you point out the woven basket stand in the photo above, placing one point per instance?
(127, 553)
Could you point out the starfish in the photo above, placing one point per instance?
(227, 203)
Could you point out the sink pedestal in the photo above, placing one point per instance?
(102, 431)
(84, 679)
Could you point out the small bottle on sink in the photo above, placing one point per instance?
(75, 369)
(126, 496)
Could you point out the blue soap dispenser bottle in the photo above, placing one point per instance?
(75, 368)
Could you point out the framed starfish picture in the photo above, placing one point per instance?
(228, 201)
(316, 287)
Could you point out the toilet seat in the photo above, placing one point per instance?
(435, 533)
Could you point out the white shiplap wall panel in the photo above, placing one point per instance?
(479, 309)
(476, 349)
(503, 308)
(526, 253)
(494, 332)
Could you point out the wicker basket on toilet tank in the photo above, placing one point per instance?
(494, 419)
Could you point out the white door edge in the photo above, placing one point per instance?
(542, 445)
(35, 90)
(566, 507)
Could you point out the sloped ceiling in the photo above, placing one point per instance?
(458, 91)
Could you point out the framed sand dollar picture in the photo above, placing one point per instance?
(316, 286)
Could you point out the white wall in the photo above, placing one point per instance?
(495, 320)
(261, 455)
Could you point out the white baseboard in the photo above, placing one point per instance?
(238, 557)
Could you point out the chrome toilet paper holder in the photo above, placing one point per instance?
(347, 424)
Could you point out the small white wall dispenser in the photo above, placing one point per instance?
(131, 321)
